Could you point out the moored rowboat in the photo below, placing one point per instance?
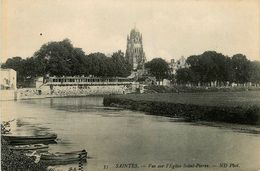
(34, 139)
(28, 147)
(64, 158)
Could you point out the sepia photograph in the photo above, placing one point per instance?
(133, 85)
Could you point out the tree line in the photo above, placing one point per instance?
(215, 67)
(207, 68)
(63, 59)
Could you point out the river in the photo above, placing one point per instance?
(115, 136)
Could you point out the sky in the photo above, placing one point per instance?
(170, 29)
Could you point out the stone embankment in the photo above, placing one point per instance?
(70, 91)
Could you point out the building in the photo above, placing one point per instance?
(181, 63)
(7, 84)
(175, 65)
(172, 66)
(8, 79)
(134, 50)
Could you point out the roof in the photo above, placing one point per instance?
(7, 69)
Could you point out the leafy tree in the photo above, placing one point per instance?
(158, 68)
(241, 68)
(100, 65)
(79, 64)
(255, 72)
(123, 68)
(209, 66)
(29, 68)
(195, 64)
(183, 75)
(60, 58)
(96, 66)
(212, 66)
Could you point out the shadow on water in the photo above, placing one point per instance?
(238, 128)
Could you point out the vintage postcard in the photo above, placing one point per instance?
(133, 85)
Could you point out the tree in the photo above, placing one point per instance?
(195, 68)
(183, 75)
(60, 59)
(212, 66)
(29, 68)
(100, 65)
(123, 68)
(255, 72)
(158, 68)
(78, 63)
(241, 68)
(97, 65)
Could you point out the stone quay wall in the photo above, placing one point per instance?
(73, 90)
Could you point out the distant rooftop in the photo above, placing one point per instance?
(7, 69)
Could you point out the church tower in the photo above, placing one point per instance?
(134, 50)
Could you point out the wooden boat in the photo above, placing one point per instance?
(64, 158)
(34, 139)
(28, 147)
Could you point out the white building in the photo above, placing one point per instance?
(7, 84)
(172, 66)
(181, 63)
(175, 65)
(8, 79)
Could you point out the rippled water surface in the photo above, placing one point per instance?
(115, 136)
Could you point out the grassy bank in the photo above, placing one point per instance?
(193, 89)
(232, 107)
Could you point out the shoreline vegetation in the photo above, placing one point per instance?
(22, 159)
(231, 107)
(17, 161)
(197, 89)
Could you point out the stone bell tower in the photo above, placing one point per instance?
(134, 50)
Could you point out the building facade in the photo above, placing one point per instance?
(181, 63)
(134, 50)
(175, 65)
(7, 84)
(8, 79)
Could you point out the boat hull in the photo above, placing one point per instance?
(24, 140)
(28, 147)
(64, 158)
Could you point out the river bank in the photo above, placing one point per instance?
(17, 161)
(198, 89)
(18, 154)
(230, 107)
